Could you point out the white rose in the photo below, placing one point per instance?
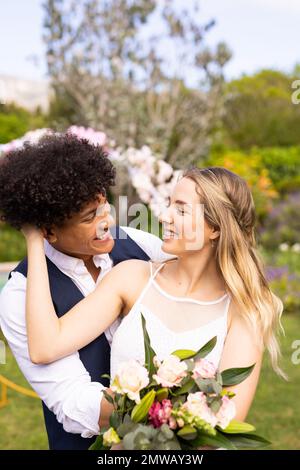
(131, 378)
(170, 372)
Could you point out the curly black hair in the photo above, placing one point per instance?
(43, 184)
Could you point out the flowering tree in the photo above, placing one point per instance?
(151, 177)
(122, 66)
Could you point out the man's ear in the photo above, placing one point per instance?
(49, 234)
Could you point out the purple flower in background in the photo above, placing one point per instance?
(273, 273)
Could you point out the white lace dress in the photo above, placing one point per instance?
(172, 323)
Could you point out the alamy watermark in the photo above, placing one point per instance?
(295, 358)
(296, 94)
(2, 352)
(189, 224)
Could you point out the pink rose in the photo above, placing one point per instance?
(196, 405)
(204, 369)
(226, 413)
(170, 372)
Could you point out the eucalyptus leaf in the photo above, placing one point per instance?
(216, 404)
(185, 388)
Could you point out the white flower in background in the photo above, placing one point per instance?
(165, 171)
(152, 177)
(131, 378)
(31, 136)
(284, 247)
(94, 137)
(296, 247)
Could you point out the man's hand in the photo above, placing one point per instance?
(106, 410)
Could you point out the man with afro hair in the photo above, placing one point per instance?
(60, 185)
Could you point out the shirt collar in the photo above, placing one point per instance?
(72, 264)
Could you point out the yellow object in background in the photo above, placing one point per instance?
(5, 384)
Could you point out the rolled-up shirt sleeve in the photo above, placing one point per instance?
(65, 385)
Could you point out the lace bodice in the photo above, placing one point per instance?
(172, 323)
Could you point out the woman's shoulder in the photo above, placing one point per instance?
(239, 320)
(130, 272)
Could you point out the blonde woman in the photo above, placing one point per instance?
(214, 287)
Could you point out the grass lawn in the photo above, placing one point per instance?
(275, 411)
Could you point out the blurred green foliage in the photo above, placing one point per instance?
(259, 111)
(16, 121)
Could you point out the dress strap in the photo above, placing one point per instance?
(152, 275)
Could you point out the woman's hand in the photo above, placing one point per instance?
(32, 233)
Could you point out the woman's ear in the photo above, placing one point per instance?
(49, 234)
(214, 234)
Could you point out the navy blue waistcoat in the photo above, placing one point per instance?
(96, 355)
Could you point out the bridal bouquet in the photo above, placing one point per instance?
(177, 403)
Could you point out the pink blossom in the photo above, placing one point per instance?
(196, 405)
(226, 413)
(160, 413)
(204, 369)
(94, 137)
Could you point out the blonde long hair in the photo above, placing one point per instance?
(229, 208)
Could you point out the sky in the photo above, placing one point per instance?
(260, 34)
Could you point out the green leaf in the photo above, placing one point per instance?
(248, 441)
(108, 397)
(216, 404)
(126, 427)
(216, 441)
(206, 349)
(114, 420)
(184, 353)
(161, 394)
(105, 376)
(141, 410)
(238, 427)
(236, 375)
(186, 388)
(205, 385)
(216, 386)
(98, 444)
(188, 433)
(149, 352)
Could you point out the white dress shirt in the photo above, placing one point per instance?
(65, 386)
